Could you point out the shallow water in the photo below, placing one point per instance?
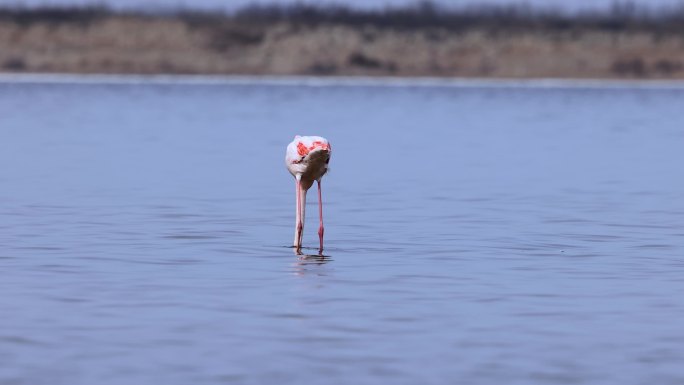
(475, 235)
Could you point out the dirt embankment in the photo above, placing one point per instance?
(144, 44)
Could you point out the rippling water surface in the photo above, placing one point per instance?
(475, 235)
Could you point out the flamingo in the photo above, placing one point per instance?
(307, 160)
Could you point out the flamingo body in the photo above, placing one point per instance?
(307, 160)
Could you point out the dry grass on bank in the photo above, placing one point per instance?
(413, 41)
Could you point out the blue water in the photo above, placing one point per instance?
(475, 234)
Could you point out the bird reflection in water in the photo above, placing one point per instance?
(306, 262)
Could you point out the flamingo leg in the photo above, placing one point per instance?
(321, 229)
(299, 226)
(302, 211)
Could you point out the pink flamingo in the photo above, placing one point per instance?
(307, 160)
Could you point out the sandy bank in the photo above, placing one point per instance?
(137, 44)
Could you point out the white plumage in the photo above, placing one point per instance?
(307, 160)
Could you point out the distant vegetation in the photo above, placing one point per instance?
(512, 41)
(53, 15)
(621, 16)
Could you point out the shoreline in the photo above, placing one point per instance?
(337, 81)
(331, 42)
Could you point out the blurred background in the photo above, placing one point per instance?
(469, 38)
(478, 231)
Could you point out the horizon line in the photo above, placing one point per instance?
(338, 81)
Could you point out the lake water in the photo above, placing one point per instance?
(476, 233)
